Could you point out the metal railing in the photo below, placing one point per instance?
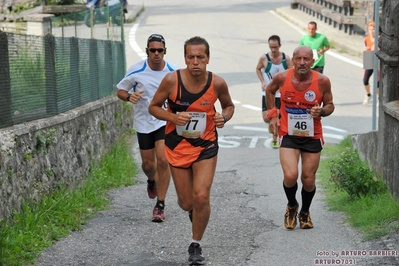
(45, 76)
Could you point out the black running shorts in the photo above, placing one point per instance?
(147, 140)
(276, 102)
(301, 143)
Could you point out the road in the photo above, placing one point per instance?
(248, 202)
(237, 32)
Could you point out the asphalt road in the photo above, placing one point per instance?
(248, 203)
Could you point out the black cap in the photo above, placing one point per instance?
(156, 38)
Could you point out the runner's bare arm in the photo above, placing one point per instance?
(272, 88)
(272, 112)
(225, 100)
(259, 67)
(325, 89)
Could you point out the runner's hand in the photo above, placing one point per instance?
(182, 118)
(219, 120)
(136, 96)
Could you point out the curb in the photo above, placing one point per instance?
(133, 11)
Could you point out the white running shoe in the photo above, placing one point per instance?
(367, 99)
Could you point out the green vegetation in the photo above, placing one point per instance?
(29, 5)
(63, 2)
(28, 156)
(349, 173)
(131, 20)
(28, 75)
(24, 6)
(39, 224)
(44, 139)
(352, 188)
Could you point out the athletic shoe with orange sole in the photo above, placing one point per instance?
(305, 221)
(290, 216)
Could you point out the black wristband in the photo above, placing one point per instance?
(323, 113)
(225, 118)
(128, 97)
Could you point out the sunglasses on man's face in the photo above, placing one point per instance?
(159, 50)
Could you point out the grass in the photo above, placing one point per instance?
(373, 215)
(39, 225)
(133, 19)
(332, 45)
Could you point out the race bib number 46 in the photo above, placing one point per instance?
(300, 125)
(195, 128)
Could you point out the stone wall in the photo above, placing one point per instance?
(39, 156)
(380, 149)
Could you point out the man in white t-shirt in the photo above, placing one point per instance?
(138, 87)
(268, 66)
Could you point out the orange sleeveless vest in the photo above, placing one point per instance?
(182, 151)
(299, 102)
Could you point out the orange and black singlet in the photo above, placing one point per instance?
(295, 118)
(197, 140)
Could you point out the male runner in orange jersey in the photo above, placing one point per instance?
(191, 143)
(305, 97)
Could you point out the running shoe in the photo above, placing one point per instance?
(304, 220)
(275, 144)
(195, 255)
(158, 215)
(190, 215)
(290, 216)
(151, 189)
(367, 99)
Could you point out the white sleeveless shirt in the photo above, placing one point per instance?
(272, 69)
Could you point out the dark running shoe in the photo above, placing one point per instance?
(290, 216)
(151, 189)
(195, 256)
(304, 220)
(158, 215)
(190, 215)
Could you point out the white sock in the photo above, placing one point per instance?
(196, 241)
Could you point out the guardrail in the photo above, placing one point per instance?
(344, 15)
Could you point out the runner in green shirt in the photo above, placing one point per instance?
(319, 45)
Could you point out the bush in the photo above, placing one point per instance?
(350, 174)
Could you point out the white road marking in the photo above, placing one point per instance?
(132, 37)
(256, 108)
(260, 129)
(335, 129)
(143, 55)
(326, 135)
